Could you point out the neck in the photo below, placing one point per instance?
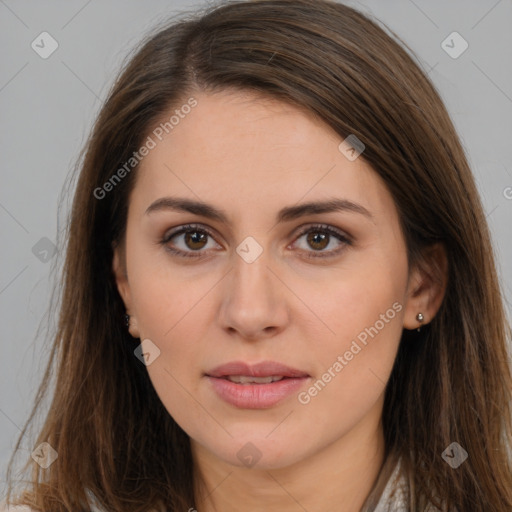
(337, 478)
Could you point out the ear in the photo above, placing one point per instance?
(123, 286)
(426, 287)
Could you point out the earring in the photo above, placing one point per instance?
(127, 320)
(420, 319)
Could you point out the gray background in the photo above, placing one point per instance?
(47, 107)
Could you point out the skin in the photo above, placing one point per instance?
(249, 157)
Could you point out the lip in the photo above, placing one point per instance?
(263, 369)
(255, 396)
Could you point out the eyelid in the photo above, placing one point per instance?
(305, 228)
(187, 227)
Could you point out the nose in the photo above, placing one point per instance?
(254, 303)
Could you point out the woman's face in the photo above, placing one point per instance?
(260, 279)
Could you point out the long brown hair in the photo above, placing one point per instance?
(115, 441)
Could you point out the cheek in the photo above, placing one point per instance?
(172, 311)
(164, 295)
(364, 312)
(361, 298)
(173, 317)
(171, 322)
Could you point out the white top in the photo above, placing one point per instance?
(393, 496)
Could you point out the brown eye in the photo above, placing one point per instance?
(189, 241)
(319, 238)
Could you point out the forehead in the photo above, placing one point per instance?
(246, 151)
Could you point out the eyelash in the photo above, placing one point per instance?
(320, 228)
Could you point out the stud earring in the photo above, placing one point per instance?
(127, 320)
(420, 319)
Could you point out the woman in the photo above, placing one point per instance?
(275, 200)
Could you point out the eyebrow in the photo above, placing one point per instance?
(285, 214)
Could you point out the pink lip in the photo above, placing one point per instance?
(255, 396)
(263, 369)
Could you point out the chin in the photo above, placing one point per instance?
(260, 453)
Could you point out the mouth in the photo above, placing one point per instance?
(245, 380)
(258, 386)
